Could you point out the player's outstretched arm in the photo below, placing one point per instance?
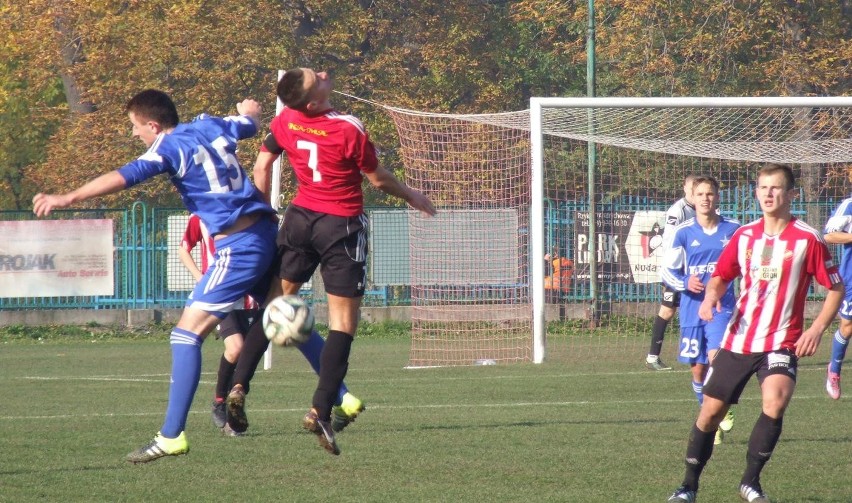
(107, 183)
(810, 339)
(384, 180)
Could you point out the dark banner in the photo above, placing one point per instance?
(627, 246)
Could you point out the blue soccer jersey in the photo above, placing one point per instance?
(841, 221)
(200, 157)
(694, 251)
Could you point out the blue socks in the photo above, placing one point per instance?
(838, 352)
(186, 372)
(311, 349)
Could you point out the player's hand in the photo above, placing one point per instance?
(43, 204)
(418, 201)
(694, 284)
(808, 342)
(251, 108)
(707, 307)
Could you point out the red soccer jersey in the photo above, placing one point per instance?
(776, 273)
(327, 152)
(196, 233)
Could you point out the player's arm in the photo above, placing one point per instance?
(384, 180)
(188, 262)
(810, 339)
(107, 183)
(262, 173)
(836, 230)
(838, 238)
(712, 302)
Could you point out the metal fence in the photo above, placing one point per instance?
(149, 275)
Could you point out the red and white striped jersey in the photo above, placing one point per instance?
(776, 274)
(196, 233)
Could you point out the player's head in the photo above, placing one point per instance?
(151, 112)
(687, 187)
(776, 185)
(705, 195)
(305, 90)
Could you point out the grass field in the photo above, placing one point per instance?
(569, 430)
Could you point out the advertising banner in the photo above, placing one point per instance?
(56, 258)
(627, 246)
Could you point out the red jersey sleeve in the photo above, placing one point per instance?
(192, 235)
(360, 148)
(728, 265)
(821, 265)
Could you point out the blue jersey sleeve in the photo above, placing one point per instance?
(674, 267)
(147, 166)
(241, 126)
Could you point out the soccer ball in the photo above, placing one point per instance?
(288, 320)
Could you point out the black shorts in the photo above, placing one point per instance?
(730, 372)
(671, 298)
(237, 321)
(309, 238)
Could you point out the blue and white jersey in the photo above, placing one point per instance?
(694, 251)
(200, 157)
(841, 221)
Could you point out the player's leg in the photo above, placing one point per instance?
(334, 363)
(692, 351)
(216, 293)
(839, 344)
(776, 374)
(343, 242)
(726, 379)
(668, 306)
(231, 329)
(714, 331)
(186, 339)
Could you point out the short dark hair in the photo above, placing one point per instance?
(772, 168)
(291, 89)
(156, 106)
(706, 179)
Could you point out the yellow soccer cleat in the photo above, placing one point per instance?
(160, 447)
(346, 412)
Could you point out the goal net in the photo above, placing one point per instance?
(550, 218)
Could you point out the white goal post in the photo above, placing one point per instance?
(806, 131)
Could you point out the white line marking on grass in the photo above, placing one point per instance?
(406, 407)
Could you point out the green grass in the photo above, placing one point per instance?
(73, 405)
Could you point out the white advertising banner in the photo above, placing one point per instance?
(56, 258)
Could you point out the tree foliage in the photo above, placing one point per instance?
(69, 66)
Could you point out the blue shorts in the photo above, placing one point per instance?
(846, 306)
(240, 267)
(696, 342)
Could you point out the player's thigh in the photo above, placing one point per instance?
(728, 375)
(692, 348)
(240, 265)
(298, 255)
(237, 322)
(714, 330)
(777, 376)
(344, 256)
